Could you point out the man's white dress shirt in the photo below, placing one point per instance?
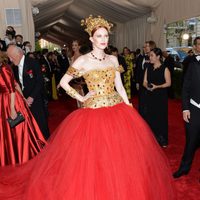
(20, 71)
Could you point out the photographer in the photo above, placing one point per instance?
(10, 35)
(19, 40)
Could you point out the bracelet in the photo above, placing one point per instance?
(71, 92)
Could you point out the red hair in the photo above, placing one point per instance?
(96, 28)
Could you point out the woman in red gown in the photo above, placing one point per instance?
(104, 151)
(23, 142)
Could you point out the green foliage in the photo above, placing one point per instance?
(37, 46)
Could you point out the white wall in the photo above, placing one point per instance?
(7, 4)
(27, 28)
(133, 34)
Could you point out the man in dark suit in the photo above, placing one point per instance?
(186, 62)
(121, 60)
(191, 111)
(48, 74)
(63, 62)
(64, 65)
(28, 75)
(169, 63)
(142, 63)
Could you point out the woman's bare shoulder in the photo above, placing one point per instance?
(114, 60)
(81, 61)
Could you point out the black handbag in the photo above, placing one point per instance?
(16, 121)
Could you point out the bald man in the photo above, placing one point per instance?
(28, 75)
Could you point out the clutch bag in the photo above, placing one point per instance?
(149, 85)
(16, 121)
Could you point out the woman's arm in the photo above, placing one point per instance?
(13, 113)
(120, 88)
(118, 82)
(9, 80)
(17, 87)
(64, 83)
(145, 82)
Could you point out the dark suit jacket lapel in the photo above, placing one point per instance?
(17, 73)
(24, 69)
(196, 65)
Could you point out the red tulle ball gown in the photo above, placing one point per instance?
(104, 151)
(19, 144)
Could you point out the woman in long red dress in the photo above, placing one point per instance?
(104, 151)
(23, 142)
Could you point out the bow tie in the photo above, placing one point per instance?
(197, 57)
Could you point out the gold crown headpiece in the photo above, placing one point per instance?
(94, 22)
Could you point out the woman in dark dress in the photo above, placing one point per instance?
(156, 80)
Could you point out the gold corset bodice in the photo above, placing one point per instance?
(102, 82)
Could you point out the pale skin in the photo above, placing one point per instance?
(76, 52)
(186, 113)
(15, 54)
(13, 113)
(17, 87)
(87, 62)
(155, 60)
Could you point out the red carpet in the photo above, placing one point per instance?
(188, 187)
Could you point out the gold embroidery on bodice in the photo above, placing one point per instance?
(102, 82)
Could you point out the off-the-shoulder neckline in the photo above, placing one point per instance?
(100, 69)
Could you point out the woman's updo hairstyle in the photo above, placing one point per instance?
(93, 23)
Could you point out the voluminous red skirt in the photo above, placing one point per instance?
(95, 154)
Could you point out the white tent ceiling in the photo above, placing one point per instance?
(59, 20)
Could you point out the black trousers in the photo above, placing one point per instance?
(192, 137)
(40, 115)
(142, 101)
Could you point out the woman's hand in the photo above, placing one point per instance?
(186, 116)
(152, 88)
(29, 101)
(130, 104)
(88, 95)
(13, 113)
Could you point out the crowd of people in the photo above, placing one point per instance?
(101, 145)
